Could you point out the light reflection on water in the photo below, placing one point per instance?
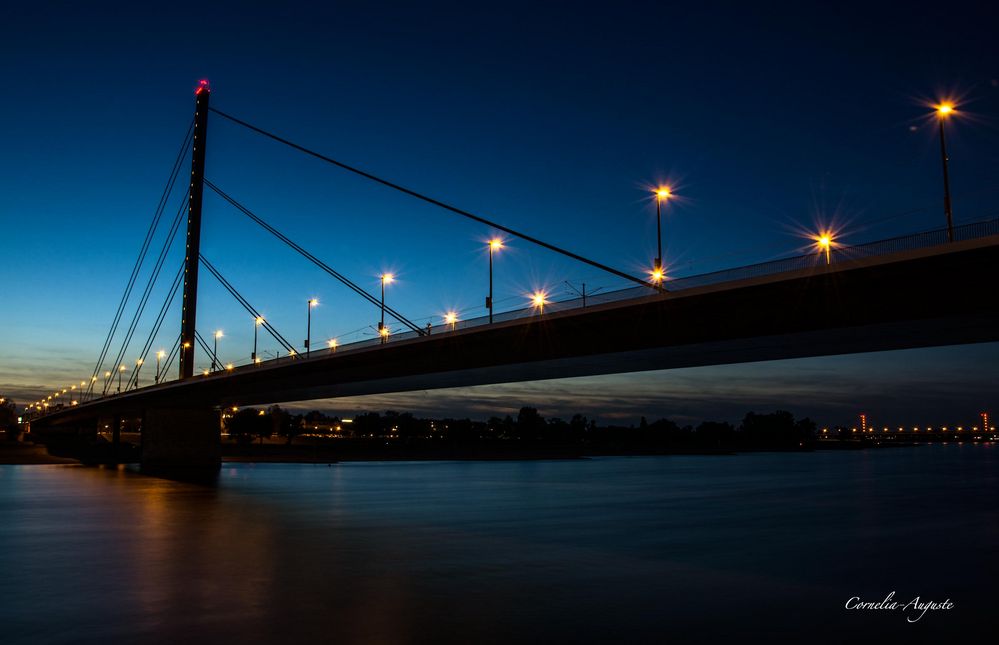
(639, 549)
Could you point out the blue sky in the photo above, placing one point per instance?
(768, 123)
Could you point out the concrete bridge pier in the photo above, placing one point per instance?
(178, 438)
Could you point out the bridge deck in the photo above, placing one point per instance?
(939, 295)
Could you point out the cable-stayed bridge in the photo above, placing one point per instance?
(919, 290)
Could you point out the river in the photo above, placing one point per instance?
(605, 550)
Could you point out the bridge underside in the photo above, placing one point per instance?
(853, 340)
(918, 299)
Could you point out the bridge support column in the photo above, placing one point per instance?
(181, 439)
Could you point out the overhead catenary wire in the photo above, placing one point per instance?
(322, 265)
(435, 202)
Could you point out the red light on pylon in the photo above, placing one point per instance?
(202, 85)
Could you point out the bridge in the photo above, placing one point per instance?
(920, 290)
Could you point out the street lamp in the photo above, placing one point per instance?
(308, 325)
(539, 299)
(332, 344)
(256, 325)
(121, 370)
(384, 333)
(944, 110)
(215, 348)
(495, 244)
(663, 193)
(656, 276)
(159, 356)
(386, 279)
(823, 242)
(138, 366)
(451, 318)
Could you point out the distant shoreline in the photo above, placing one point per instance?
(37, 454)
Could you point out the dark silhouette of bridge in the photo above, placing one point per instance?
(921, 290)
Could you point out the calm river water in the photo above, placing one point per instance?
(608, 550)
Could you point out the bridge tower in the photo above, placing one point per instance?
(192, 250)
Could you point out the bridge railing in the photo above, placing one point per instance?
(837, 254)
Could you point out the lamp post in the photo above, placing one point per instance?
(824, 241)
(539, 299)
(944, 110)
(451, 318)
(494, 245)
(121, 370)
(332, 344)
(138, 366)
(159, 356)
(215, 348)
(308, 325)
(256, 325)
(107, 381)
(662, 194)
(386, 279)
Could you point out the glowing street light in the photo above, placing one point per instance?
(495, 244)
(824, 241)
(539, 299)
(215, 348)
(386, 278)
(451, 318)
(384, 333)
(944, 110)
(121, 370)
(332, 344)
(308, 326)
(256, 325)
(159, 356)
(657, 276)
(138, 366)
(663, 193)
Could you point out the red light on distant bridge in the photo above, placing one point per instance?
(202, 85)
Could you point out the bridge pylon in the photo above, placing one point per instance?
(192, 250)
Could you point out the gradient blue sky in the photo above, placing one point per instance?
(769, 122)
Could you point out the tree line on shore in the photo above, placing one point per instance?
(778, 429)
